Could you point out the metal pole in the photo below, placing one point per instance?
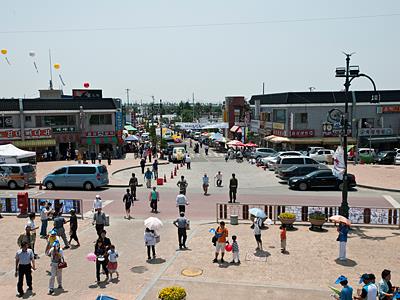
(51, 71)
(160, 123)
(263, 88)
(193, 105)
(344, 207)
(370, 136)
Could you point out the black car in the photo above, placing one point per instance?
(386, 157)
(320, 179)
(293, 171)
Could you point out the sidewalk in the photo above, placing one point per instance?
(306, 272)
(377, 176)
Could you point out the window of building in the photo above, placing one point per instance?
(28, 118)
(279, 115)
(52, 121)
(367, 122)
(100, 119)
(303, 118)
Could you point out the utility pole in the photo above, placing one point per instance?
(160, 124)
(152, 112)
(51, 71)
(127, 97)
(193, 105)
(263, 88)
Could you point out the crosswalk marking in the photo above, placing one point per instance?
(393, 202)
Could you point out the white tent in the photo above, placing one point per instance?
(10, 154)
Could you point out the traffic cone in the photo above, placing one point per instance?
(172, 175)
(165, 178)
(177, 166)
(175, 172)
(181, 164)
(40, 185)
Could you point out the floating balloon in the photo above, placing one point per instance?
(57, 66)
(4, 51)
(86, 84)
(32, 53)
(91, 257)
(228, 248)
(212, 230)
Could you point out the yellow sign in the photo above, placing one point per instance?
(280, 126)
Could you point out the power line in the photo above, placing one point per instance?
(322, 19)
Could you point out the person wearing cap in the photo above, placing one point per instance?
(50, 241)
(182, 223)
(97, 203)
(25, 237)
(385, 286)
(347, 291)
(24, 264)
(369, 291)
(73, 227)
(56, 256)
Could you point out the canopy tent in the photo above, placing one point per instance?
(130, 128)
(216, 136)
(235, 143)
(10, 151)
(236, 129)
(250, 145)
(132, 138)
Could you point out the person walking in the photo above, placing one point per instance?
(154, 197)
(128, 200)
(99, 219)
(221, 233)
(133, 183)
(283, 238)
(32, 225)
(188, 161)
(150, 242)
(99, 157)
(182, 184)
(142, 164)
(206, 149)
(257, 224)
(93, 157)
(235, 251)
(56, 257)
(44, 218)
(181, 202)
(24, 264)
(233, 185)
(97, 203)
(59, 222)
(73, 228)
(218, 178)
(182, 223)
(206, 183)
(155, 168)
(101, 252)
(148, 176)
(343, 231)
(112, 265)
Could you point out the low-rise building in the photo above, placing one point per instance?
(296, 120)
(61, 125)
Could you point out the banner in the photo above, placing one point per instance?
(338, 163)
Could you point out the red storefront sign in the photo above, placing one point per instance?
(279, 132)
(302, 133)
(390, 109)
(30, 133)
(99, 133)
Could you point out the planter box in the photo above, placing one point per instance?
(316, 224)
(287, 221)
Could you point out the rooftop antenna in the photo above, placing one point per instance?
(311, 88)
(51, 71)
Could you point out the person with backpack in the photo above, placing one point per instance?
(220, 237)
(182, 184)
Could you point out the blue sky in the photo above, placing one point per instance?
(211, 61)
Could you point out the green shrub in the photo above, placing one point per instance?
(317, 215)
(172, 293)
(287, 215)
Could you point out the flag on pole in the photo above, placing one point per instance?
(338, 163)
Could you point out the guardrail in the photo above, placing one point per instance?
(357, 215)
(9, 205)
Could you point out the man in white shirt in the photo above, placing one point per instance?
(188, 160)
(181, 202)
(218, 177)
(97, 203)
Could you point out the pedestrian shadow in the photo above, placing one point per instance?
(346, 263)
(58, 292)
(261, 253)
(101, 285)
(28, 295)
(183, 249)
(360, 232)
(73, 247)
(318, 229)
(115, 280)
(156, 261)
(139, 269)
(285, 252)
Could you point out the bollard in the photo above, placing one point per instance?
(165, 178)
(40, 185)
(175, 172)
(177, 166)
(172, 175)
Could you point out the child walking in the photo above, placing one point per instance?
(112, 261)
(235, 250)
(283, 238)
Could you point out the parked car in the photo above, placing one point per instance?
(323, 156)
(320, 179)
(88, 177)
(271, 161)
(365, 154)
(293, 171)
(397, 159)
(288, 161)
(386, 157)
(312, 150)
(197, 135)
(15, 176)
(178, 154)
(262, 152)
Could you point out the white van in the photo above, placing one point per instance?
(178, 154)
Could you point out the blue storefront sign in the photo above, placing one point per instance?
(118, 121)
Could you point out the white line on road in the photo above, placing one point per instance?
(390, 199)
(89, 214)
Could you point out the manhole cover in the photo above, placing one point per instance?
(192, 272)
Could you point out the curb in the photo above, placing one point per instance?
(378, 188)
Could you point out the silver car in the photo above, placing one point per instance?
(16, 176)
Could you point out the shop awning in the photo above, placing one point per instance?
(130, 128)
(236, 128)
(100, 140)
(384, 139)
(35, 143)
(336, 140)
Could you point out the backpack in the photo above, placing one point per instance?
(215, 238)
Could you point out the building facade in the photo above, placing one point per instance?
(297, 120)
(237, 115)
(62, 125)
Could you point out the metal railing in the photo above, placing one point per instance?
(357, 215)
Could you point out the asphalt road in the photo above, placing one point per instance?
(255, 186)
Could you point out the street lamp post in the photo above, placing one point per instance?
(370, 134)
(160, 124)
(349, 72)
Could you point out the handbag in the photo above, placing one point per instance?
(157, 238)
(62, 264)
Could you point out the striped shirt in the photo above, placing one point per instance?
(235, 247)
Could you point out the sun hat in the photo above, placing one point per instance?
(340, 279)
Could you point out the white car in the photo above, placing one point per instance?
(397, 159)
(270, 162)
(323, 155)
